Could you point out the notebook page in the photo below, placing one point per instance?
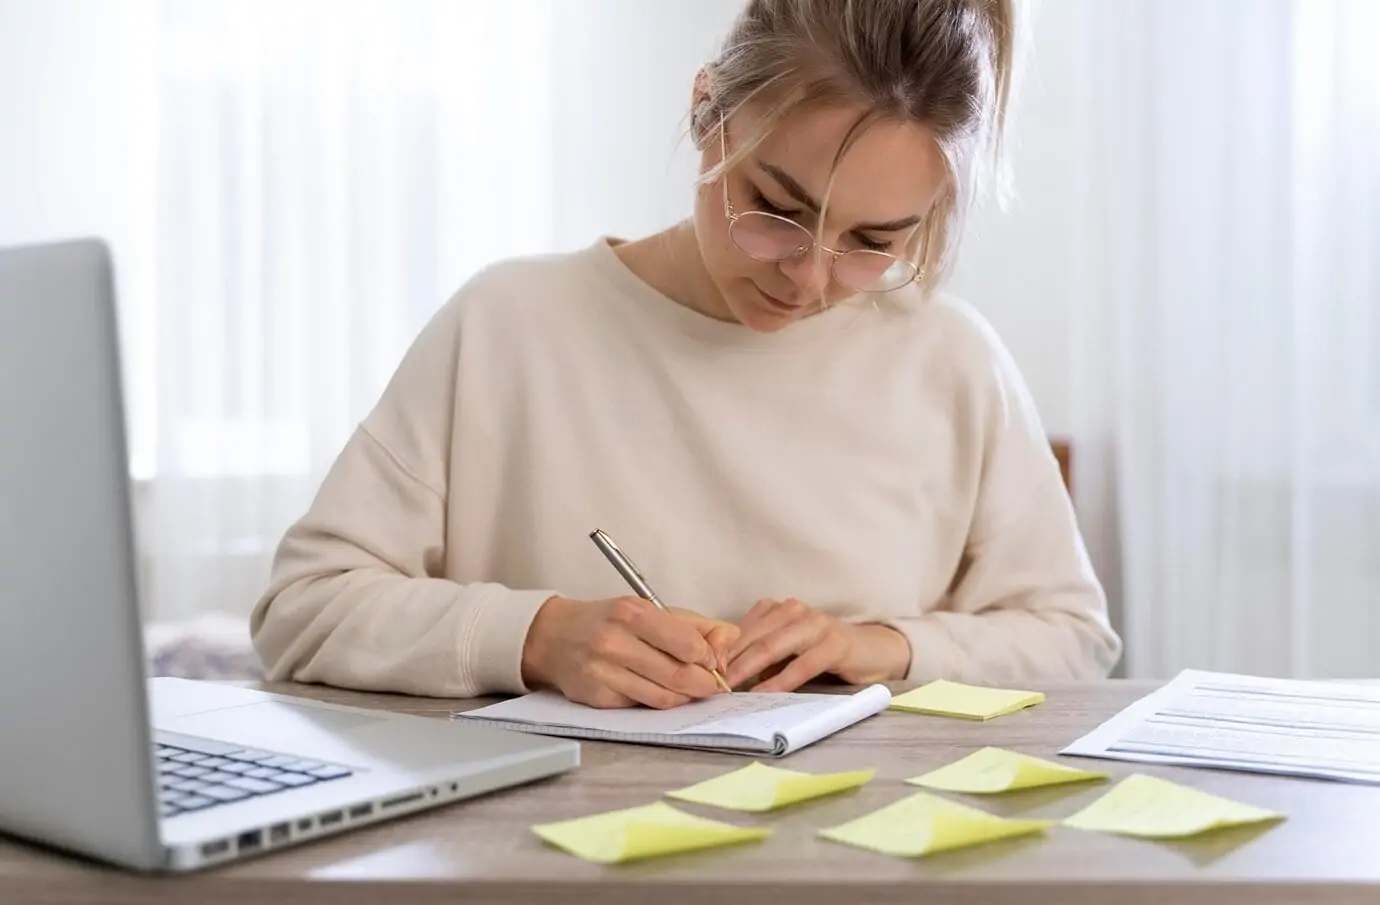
(825, 722)
(797, 720)
(770, 720)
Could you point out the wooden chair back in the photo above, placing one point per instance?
(1063, 451)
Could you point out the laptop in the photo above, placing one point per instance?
(160, 774)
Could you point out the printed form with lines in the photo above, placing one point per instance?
(1326, 730)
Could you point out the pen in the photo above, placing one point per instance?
(636, 581)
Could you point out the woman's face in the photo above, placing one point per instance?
(884, 186)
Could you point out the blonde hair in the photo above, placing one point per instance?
(946, 64)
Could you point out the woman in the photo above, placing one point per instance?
(827, 467)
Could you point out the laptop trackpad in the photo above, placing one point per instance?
(277, 726)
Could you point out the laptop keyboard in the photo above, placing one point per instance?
(193, 781)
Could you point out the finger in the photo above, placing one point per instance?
(772, 621)
(721, 635)
(814, 662)
(593, 691)
(690, 680)
(793, 638)
(721, 639)
(668, 632)
(638, 689)
(749, 626)
(615, 643)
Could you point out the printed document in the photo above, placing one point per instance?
(1325, 730)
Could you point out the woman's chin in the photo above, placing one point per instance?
(756, 312)
(762, 319)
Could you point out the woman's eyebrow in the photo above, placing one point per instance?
(793, 188)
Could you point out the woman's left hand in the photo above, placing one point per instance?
(803, 643)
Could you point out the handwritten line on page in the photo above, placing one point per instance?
(1292, 727)
(1156, 808)
(969, 702)
(743, 723)
(643, 832)
(923, 824)
(759, 787)
(992, 770)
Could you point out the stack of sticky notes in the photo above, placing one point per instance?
(758, 787)
(968, 702)
(1155, 808)
(642, 832)
(923, 824)
(992, 770)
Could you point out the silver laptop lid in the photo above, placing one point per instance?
(76, 769)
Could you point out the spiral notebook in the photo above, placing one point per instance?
(744, 723)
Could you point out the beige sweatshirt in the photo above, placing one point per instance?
(880, 463)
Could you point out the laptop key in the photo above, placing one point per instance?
(277, 760)
(224, 793)
(189, 785)
(195, 802)
(254, 786)
(216, 777)
(189, 757)
(303, 766)
(294, 780)
(236, 768)
(192, 771)
(263, 773)
(328, 772)
(249, 755)
(215, 763)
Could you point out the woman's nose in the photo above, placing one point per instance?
(809, 271)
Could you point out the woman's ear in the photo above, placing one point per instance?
(701, 123)
(701, 110)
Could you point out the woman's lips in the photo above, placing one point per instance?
(777, 303)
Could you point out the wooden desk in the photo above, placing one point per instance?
(481, 851)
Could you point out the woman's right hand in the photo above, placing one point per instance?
(625, 651)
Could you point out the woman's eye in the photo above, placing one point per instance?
(760, 202)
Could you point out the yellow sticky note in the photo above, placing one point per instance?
(642, 832)
(923, 824)
(969, 702)
(996, 770)
(758, 787)
(1155, 808)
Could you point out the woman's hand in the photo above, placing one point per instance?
(793, 644)
(624, 651)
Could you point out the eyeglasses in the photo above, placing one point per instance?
(768, 237)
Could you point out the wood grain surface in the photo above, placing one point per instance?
(481, 851)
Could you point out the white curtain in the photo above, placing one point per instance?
(1228, 347)
(327, 172)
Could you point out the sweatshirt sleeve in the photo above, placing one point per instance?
(1025, 604)
(355, 599)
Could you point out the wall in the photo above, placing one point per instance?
(1018, 267)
